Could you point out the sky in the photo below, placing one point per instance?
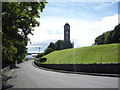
(87, 21)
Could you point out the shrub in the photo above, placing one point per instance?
(40, 55)
(43, 60)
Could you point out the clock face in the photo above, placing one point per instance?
(67, 32)
(67, 27)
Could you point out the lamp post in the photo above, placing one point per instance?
(39, 49)
(39, 52)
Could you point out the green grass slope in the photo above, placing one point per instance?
(93, 54)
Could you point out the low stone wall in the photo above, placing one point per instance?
(91, 68)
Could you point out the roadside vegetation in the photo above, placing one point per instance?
(18, 20)
(85, 55)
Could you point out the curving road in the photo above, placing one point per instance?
(27, 76)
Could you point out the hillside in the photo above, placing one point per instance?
(93, 54)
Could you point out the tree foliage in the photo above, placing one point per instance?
(18, 20)
(109, 37)
(53, 46)
(40, 55)
(48, 50)
(58, 44)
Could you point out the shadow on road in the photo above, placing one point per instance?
(6, 85)
(15, 67)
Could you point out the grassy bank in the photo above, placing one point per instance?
(93, 54)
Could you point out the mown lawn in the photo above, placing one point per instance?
(93, 54)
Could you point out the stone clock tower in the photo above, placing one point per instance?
(67, 32)
(67, 43)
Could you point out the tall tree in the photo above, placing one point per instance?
(18, 20)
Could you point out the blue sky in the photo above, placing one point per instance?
(95, 10)
(87, 20)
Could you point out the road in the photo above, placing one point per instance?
(28, 76)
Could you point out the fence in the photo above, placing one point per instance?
(99, 60)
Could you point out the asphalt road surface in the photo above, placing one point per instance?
(28, 76)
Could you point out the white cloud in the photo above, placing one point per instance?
(89, 30)
(105, 4)
(83, 33)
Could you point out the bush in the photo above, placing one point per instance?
(40, 55)
(43, 60)
(48, 50)
(25, 59)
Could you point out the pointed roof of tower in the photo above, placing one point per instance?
(67, 24)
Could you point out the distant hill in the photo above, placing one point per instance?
(93, 54)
